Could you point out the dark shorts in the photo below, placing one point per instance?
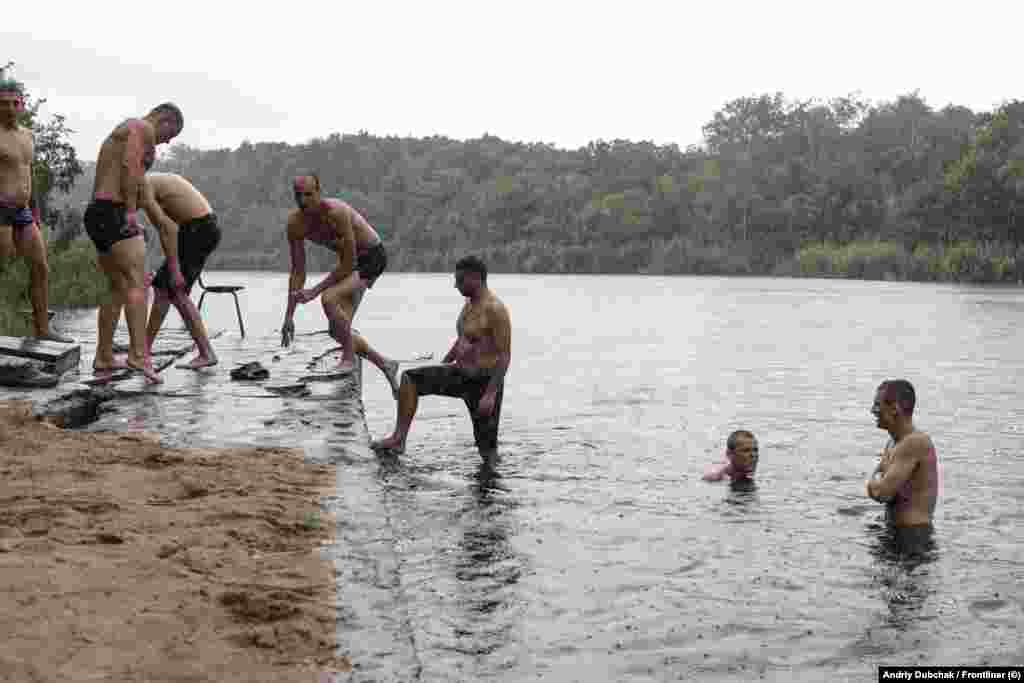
(196, 241)
(17, 218)
(106, 224)
(372, 262)
(469, 385)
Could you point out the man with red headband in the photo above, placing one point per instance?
(907, 477)
(334, 225)
(19, 221)
(112, 224)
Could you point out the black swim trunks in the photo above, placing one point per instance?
(196, 241)
(106, 224)
(372, 262)
(469, 385)
(18, 218)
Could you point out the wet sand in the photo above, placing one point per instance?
(125, 560)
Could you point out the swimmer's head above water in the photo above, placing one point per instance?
(894, 402)
(742, 453)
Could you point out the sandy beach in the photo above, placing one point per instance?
(123, 560)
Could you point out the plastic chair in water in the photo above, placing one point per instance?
(223, 289)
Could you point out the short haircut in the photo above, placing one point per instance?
(730, 443)
(901, 392)
(171, 108)
(473, 264)
(10, 85)
(309, 174)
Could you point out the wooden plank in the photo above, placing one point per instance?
(62, 357)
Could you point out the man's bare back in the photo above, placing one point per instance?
(124, 150)
(329, 224)
(179, 199)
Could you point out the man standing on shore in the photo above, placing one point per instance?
(189, 234)
(112, 224)
(473, 369)
(335, 225)
(907, 478)
(19, 223)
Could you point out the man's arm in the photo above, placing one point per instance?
(167, 229)
(132, 168)
(450, 356)
(717, 472)
(297, 255)
(904, 459)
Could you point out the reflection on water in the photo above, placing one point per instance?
(588, 548)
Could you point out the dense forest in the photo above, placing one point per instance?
(836, 188)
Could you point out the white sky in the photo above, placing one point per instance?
(560, 72)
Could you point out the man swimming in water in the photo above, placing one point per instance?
(907, 478)
(473, 369)
(189, 234)
(741, 456)
(19, 221)
(335, 225)
(112, 224)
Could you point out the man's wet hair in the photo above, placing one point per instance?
(173, 109)
(473, 264)
(309, 174)
(730, 443)
(902, 393)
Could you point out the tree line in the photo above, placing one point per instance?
(780, 187)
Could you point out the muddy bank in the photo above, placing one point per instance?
(124, 560)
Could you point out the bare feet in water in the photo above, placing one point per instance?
(391, 372)
(119, 363)
(147, 370)
(198, 363)
(391, 444)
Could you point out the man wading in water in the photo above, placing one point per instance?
(907, 477)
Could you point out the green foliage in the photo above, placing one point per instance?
(74, 280)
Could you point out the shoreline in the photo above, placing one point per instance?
(127, 560)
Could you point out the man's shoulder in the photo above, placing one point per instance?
(495, 305)
(295, 225)
(915, 444)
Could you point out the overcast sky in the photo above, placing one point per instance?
(559, 72)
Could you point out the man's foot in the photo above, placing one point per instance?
(391, 444)
(54, 337)
(119, 363)
(147, 370)
(198, 363)
(391, 372)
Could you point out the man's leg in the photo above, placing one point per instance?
(157, 315)
(389, 367)
(408, 401)
(485, 427)
(339, 303)
(30, 244)
(190, 314)
(107, 316)
(129, 255)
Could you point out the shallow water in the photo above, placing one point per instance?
(591, 550)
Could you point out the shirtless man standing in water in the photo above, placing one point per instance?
(112, 224)
(907, 478)
(473, 369)
(189, 234)
(19, 223)
(335, 225)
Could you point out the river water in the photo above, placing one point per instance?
(590, 549)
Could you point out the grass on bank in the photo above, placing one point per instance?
(75, 280)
